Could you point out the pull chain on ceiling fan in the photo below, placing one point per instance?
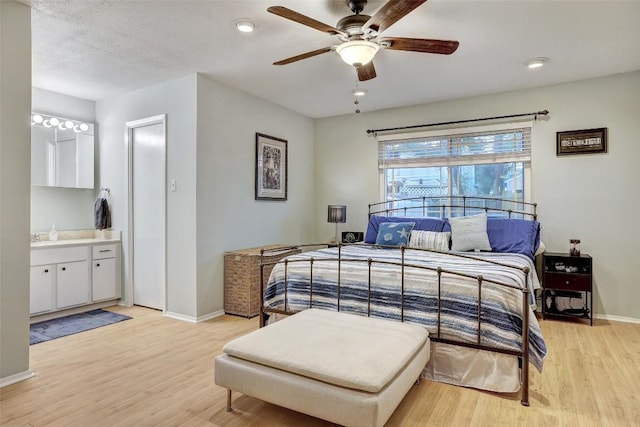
(359, 33)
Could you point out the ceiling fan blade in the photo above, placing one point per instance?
(304, 56)
(366, 72)
(390, 13)
(304, 20)
(443, 47)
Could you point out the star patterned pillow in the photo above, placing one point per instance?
(394, 233)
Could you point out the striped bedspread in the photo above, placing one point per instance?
(501, 320)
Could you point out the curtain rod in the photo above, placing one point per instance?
(535, 114)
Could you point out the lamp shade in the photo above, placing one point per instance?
(357, 52)
(337, 213)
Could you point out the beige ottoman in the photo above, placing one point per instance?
(347, 369)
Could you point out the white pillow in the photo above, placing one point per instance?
(541, 248)
(431, 240)
(469, 233)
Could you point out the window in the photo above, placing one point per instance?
(489, 161)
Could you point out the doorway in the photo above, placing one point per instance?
(146, 142)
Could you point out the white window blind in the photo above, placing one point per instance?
(455, 147)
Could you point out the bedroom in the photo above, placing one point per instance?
(194, 279)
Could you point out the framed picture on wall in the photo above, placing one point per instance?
(581, 141)
(271, 168)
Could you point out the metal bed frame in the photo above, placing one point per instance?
(445, 205)
(522, 355)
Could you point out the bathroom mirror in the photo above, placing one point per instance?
(61, 152)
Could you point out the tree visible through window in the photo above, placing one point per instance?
(488, 163)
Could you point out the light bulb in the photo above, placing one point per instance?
(76, 128)
(54, 121)
(245, 26)
(534, 63)
(68, 124)
(84, 127)
(46, 123)
(61, 126)
(37, 118)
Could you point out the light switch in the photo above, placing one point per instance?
(173, 184)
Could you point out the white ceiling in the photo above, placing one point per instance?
(96, 49)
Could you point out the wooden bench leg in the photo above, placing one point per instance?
(229, 408)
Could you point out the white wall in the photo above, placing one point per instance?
(68, 208)
(176, 98)
(229, 217)
(590, 197)
(15, 149)
(211, 155)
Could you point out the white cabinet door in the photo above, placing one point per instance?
(41, 286)
(73, 283)
(104, 279)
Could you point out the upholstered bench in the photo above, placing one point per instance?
(347, 369)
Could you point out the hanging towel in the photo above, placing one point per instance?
(101, 214)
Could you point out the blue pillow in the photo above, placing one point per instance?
(394, 233)
(426, 224)
(521, 236)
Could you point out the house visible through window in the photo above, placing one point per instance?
(490, 161)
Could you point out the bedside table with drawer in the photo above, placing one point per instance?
(567, 278)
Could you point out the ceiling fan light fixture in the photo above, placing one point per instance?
(245, 26)
(533, 63)
(357, 52)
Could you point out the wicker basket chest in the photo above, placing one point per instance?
(242, 278)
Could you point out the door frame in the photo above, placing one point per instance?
(131, 125)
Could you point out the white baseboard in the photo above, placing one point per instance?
(193, 319)
(179, 316)
(210, 316)
(12, 379)
(617, 318)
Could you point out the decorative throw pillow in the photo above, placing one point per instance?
(469, 233)
(394, 233)
(431, 240)
(427, 224)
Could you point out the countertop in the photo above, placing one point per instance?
(77, 238)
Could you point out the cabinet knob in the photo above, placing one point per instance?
(98, 265)
(64, 268)
(46, 270)
(567, 282)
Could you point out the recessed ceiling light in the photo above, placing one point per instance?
(245, 26)
(533, 63)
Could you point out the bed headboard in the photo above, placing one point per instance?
(452, 206)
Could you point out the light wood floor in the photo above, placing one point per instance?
(156, 371)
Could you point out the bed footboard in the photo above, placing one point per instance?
(336, 291)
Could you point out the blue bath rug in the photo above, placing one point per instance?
(69, 325)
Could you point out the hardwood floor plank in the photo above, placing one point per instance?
(156, 371)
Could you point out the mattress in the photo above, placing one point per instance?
(501, 305)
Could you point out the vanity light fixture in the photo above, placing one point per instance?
(533, 63)
(57, 122)
(245, 26)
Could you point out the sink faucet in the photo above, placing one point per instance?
(35, 237)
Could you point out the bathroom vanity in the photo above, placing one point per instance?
(74, 274)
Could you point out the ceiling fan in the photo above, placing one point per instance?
(359, 33)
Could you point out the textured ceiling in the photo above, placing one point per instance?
(97, 49)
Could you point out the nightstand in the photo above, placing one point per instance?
(567, 284)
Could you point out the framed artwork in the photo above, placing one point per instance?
(271, 168)
(585, 141)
